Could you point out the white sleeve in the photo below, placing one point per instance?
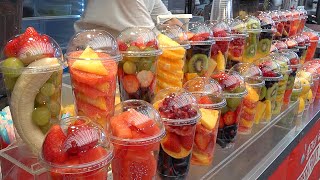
(159, 9)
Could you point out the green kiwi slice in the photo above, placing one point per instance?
(272, 92)
(198, 64)
(264, 46)
(250, 51)
(263, 92)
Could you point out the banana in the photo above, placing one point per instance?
(22, 100)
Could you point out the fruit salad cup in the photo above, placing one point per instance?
(316, 64)
(266, 36)
(280, 45)
(76, 148)
(303, 19)
(173, 41)
(315, 77)
(135, 132)
(271, 75)
(275, 15)
(234, 91)
(180, 115)
(31, 66)
(198, 59)
(253, 78)
(296, 91)
(237, 44)
(209, 97)
(285, 18)
(313, 44)
(302, 48)
(295, 23)
(307, 85)
(292, 44)
(137, 70)
(92, 57)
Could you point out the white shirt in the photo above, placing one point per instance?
(116, 15)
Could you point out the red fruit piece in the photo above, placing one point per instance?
(229, 118)
(171, 142)
(35, 49)
(92, 154)
(237, 52)
(87, 78)
(294, 61)
(248, 103)
(214, 50)
(52, 145)
(130, 83)
(145, 78)
(197, 38)
(87, 90)
(45, 38)
(221, 123)
(245, 115)
(122, 46)
(220, 33)
(204, 100)
(120, 127)
(187, 141)
(152, 43)
(90, 110)
(268, 74)
(220, 77)
(202, 141)
(11, 48)
(223, 46)
(149, 128)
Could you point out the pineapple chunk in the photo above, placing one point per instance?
(252, 94)
(209, 118)
(221, 62)
(191, 76)
(260, 110)
(301, 105)
(268, 113)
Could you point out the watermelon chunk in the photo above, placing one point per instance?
(87, 78)
(90, 110)
(99, 102)
(87, 90)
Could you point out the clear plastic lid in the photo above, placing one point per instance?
(295, 14)
(138, 42)
(267, 24)
(312, 35)
(175, 33)
(253, 24)
(280, 45)
(251, 73)
(221, 30)
(135, 122)
(303, 74)
(283, 61)
(30, 53)
(287, 14)
(300, 40)
(177, 107)
(291, 43)
(283, 16)
(292, 56)
(199, 33)
(270, 69)
(202, 87)
(311, 69)
(273, 48)
(68, 147)
(306, 39)
(237, 27)
(275, 15)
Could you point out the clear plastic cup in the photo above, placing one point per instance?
(280, 45)
(92, 57)
(137, 70)
(292, 44)
(303, 14)
(315, 77)
(198, 62)
(275, 15)
(209, 97)
(271, 75)
(135, 132)
(173, 41)
(313, 36)
(295, 23)
(180, 114)
(302, 48)
(306, 80)
(296, 91)
(316, 64)
(76, 148)
(238, 42)
(31, 67)
(285, 18)
(254, 82)
(234, 90)
(266, 36)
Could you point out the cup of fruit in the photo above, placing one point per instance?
(313, 36)
(316, 64)
(271, 75)
(285, 18)
(315, 77)
(92, 57)
(173, 42)
(280, 45)
(198, 60)
(76, 148)
(209, 97)
(276, 17)
(135, 132)
(296, 92)
(292, 44)
(234, 91)
(302, 48)
(180, 114)
(254, 82)
(303, 14)
(295, 23)
(306, 80)
(266, 36)
(238, 42)
(31, 67)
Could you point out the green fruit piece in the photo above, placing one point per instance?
(238, 90)
(45, 128)
(9, 82)
(129, 67)
(48, 89)
(264, 46)
(198, 64)
(250, 51)
(290, 82)
(263, 93)
(41, 116)
(55, 108)
(281, 89)
(42, 99)
(53, 78)
(233, 103)
(224, 110)
(252, 40)
(272, 92)
(11, 67)
(145, 63)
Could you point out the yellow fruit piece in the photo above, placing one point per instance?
(261, 107)
(305, 85)
(69, 109)
(89, 53)
(117, 100)
(156, 104)
(183, 153)
(221, 62)
(253, 96)
(104, 87)
(190, 76)
(301, 105)
(209, 118)
(166, 41)
(171, 66)
(248, 110)
(211, 67)
(245, 123)
(309, 96)
(99, 102)
(268, 113)
(170, 79)
(202, 158)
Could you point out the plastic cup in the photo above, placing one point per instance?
(180, 114)
(295, 23)
(296, 91)
(198, 62)
(303, 14)
(173, 41)
(316, 64)
(306, 80)
(271, 75)
(137, 70)
(92, 57)
(135, 132)
(31, 67)
(76, 148)
(209, 97)
(315, 77)
(292, 44)
(302, 48)
(253, 78)
(280, 45)
(313, 44)
(276, 17)
(234, 91)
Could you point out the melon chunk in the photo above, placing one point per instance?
(209, 118)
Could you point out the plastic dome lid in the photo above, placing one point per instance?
(267, 24)
(221, 30)
(202, 87)
(253, 24)
(138, 42)
(292, 56)
(297, 87)
(283, 61)
(270, 69)
(199, 34)
(176, 33)
(273, 48)
(295, 14)
(300, 40)
(312, 70)
(30, 53)
(280, 45)
(76, 138)
(251, 73)
(143, 117)
(288, 15)
(302, 74)
(291, 43)
(275, 15)
(313, 36)
(237, 27)
(283, 16)
(306, 39)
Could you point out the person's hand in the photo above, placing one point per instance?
(174, 21)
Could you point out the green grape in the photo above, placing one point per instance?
(145, 64)
(41, 116)
(12, 67)
(55, 108)
(129, 67)
(53, 78)
(42, 99)
(48, 89)
(9, 82)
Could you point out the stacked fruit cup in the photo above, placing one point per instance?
(173, 42)
(304, 16)
(313, 69)
(237, 44)
(302, 48)
(209, 97)
(253, 78)
(219, 50)
(92, 58)
(234, 91)
(266, 36)
(280, 45)
(296, 91)
(254, 29)
(285, 68)
(294, 66)
(292, 44)
(271, 75)
(316, 64)
(275, 15)
(285, 18)
(295, 23)
(198, 59)
(307, 85)
(180, 114)
(135, 132)
(31, 67)
(314, 38)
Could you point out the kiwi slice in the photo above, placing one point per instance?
(198, 64)
(250, 51)
(263, 92)
(264, 46)
(272, 92)
(233, 103)
(145, 63)
(290, 82)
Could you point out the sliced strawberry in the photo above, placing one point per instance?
(122, 46)
(202, 141)
(152, 43)
(221, 123)
(87, 78)
(11, 48)
(145, 78)
(204, 100)
(229, 118)
(87, 90)
(130, 83)
(171, 142)
(187, 141)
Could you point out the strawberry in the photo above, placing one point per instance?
(202, 141)
(145, 78)
(34, 49)
(229, 118)
(11, 48)
(92, 154)
(221, 123)
(45, 38)
(237, 52)
(268, 74)
(171, 142)
(130, 83)
(52, 145)
(220, 77)
(187, 141)
(220, 33)
(204, 100)
(214, 49)
(197, 38)
(223, 46)
(152, 43)
(294, 61)
(248, 103)
(122, 46)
